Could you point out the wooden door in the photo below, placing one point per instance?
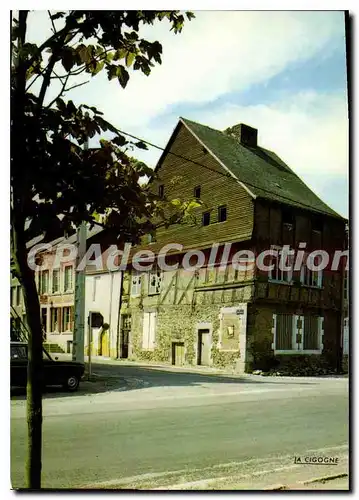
(204, 348)
(125, 335)
(177, 353)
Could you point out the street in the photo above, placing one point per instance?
(160, 428)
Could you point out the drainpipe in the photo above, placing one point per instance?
(343, 303)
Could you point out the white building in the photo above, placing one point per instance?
(103, 295)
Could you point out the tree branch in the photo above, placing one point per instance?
(52, 22)
(77, 85)
(49, 70)
(34, 80)
(64, 89)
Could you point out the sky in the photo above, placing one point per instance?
(282, 72)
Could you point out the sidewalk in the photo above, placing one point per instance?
(205, 370)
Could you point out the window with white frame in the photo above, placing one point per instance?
(55, 319)
(55, 281)
(136, 281)
(68, 318)
(154, 281)
(276, 273)
(149, 330)
(346, 336)
(297, 334)
(94, 287)
(68, 278)
(311, 278)
(44, 282)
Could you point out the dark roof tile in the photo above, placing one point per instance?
(260, 170)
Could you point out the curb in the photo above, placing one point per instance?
(323, 479)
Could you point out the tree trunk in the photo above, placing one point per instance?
(35, 359)
(20, 189)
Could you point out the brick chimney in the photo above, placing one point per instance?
(245, 134)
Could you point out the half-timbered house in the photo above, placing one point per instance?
(214, 314)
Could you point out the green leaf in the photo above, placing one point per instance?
(130, 58)
(71, 108)
(61, 105)
(192, 205)
(111, 71)
(141, 145)
(93, 109)
(119, 54)
(176, 202)
(84, 53)
(99, 67)
(119, 140)
(122, 76)
(68, 59)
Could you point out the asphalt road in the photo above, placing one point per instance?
(164, 428)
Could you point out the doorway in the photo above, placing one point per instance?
(178, 353)
(125, 335)
(104, 343)
(204, 347)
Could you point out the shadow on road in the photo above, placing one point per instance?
(123, 377)
(86, 388)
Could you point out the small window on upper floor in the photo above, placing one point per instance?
(161, 190)
(287, 218)
(197, 192)
(317, 224)
(222, 213)
(206, 218)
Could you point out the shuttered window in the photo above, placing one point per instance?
(297, 334)
(284, 332)
(311, 334)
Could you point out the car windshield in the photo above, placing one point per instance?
(18, 352)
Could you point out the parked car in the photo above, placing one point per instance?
(65, 373)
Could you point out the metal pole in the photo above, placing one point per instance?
(90, 345)
(110, 315)
(78, 346)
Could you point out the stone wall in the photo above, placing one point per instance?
(180, 323)
(260, 340)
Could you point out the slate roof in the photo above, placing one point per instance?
(260, 170)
